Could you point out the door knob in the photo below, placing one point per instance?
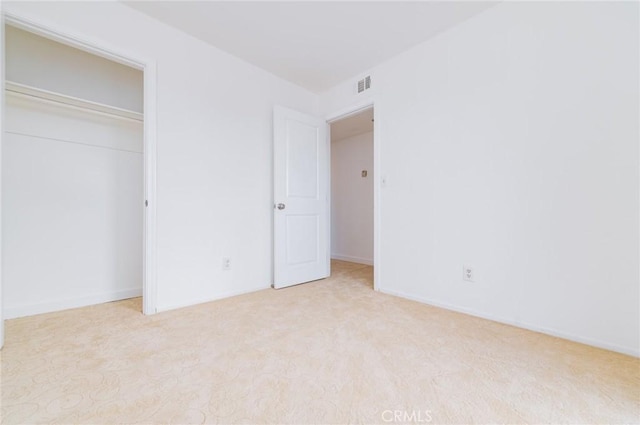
(281, 206)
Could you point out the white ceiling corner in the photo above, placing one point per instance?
(313, 44)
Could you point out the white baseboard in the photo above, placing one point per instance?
(216, 297)
(635, 352)
(350, 259)
(12, 312)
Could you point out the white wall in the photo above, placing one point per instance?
(510, 143)
(39, 62)
(352, 199)
(73, 205)
(214, 134)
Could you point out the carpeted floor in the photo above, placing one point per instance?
(331, 351)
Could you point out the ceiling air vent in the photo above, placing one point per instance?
(364, 84)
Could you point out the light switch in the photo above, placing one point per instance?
(364, 173)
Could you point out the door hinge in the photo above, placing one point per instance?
(146, 203)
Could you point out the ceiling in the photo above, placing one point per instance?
(313, 44)
(352, 125)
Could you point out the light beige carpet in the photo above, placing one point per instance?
(331, 351)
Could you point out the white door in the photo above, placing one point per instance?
(301, 198)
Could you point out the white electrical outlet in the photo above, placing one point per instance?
(467, 273)
(226, 263)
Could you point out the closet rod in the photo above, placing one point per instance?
(73, 102)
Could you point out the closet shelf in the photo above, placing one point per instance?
(75, 102)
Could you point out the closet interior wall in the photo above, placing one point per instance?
(72, 177)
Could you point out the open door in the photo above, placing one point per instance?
(301, 198)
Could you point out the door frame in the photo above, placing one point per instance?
(148, 67)
(377, 146)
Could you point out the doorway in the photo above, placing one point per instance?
(353, 180)
(302, 199)
(23, 97)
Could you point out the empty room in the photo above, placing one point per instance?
(257, 212)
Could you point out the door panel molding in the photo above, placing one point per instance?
(301, 198)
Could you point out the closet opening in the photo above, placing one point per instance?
(78, 168)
